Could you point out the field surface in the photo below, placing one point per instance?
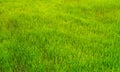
(59, 36)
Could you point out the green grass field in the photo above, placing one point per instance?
(59, 36)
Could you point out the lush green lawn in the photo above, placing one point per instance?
(59, 36)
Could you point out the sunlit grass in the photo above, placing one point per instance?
(59, 36)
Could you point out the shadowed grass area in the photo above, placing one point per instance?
(60, 36)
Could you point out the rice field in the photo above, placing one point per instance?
(59, 36)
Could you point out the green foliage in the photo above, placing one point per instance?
(59, 36)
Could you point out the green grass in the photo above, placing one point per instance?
(59, 36)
